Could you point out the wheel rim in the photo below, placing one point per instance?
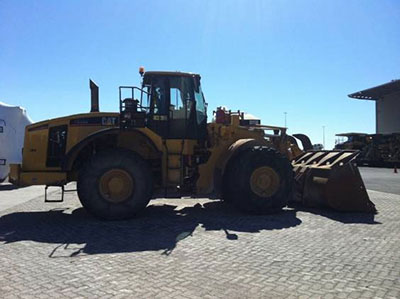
(264, 181)
(116, 185)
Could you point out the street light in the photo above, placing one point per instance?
(285, 118)
(323, 135)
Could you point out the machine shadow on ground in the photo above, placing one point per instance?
(159, 227)
(7, 187)
(344, 217)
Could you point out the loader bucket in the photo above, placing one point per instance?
(330, 179)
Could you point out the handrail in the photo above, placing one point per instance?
(120, 88)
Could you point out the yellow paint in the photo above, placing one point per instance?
(223, 141)
(13, 176)
(116, 185)
(264, 181)
(42, 178)
(222, 137)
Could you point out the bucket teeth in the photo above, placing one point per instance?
(330, 179)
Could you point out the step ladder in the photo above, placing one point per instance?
(174, 168)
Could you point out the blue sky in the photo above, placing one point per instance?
(264, 57)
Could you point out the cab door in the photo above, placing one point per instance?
(172, 114)
(181, 113)
(159, 102)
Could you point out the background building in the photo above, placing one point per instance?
(387, 98)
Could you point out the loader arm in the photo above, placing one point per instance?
(305, 141)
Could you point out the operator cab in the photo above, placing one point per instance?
(175, 106)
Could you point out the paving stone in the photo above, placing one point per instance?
(199, 248)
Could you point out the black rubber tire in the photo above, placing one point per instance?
(88, 184)
(237, 176)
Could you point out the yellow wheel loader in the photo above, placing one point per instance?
(160, 145)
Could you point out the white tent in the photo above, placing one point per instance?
(13, 120)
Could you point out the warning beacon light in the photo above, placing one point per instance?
(141, 71)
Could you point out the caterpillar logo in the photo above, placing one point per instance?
(109, 121)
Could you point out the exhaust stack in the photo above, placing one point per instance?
(94, 96)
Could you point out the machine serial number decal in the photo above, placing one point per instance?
(95, 121)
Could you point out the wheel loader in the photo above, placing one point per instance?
(161, 145)
(382, 150)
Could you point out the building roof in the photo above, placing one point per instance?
(377, 92)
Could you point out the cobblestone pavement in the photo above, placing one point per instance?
(11, 195)
(199, 248)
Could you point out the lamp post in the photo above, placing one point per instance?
(285, 117)
(323, 135)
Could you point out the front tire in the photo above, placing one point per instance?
(115, 185)
(258, 180)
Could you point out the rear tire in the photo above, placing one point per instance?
(258, 180)
(115, 185)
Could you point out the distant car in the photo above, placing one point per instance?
(318, 147)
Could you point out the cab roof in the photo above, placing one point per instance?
(170, 73)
